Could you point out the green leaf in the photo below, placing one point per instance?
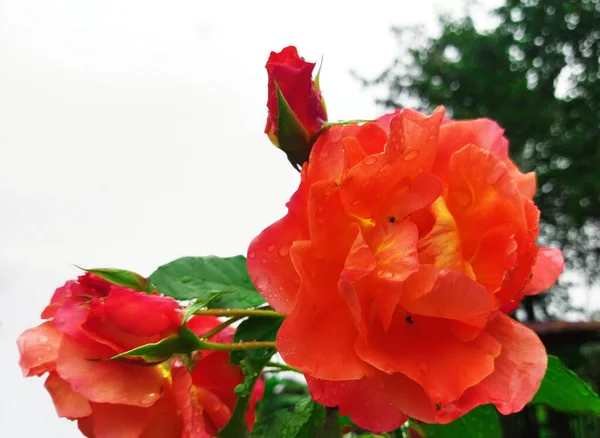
(121, 277)
(564, 391)
(200, 304)
(185, 342)
(293, 139)
(255, 329)
(237, 427)
(306, 421)
(202, 277)
(483, 421)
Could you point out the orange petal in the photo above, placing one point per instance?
(111, 421)
(68, 403)
(372, 138)
(441, 245)
(270, 265)
(518, 371)
(104, 381)
(367, 401)
(38, 348)
(483, 133)
(328, 158)
(546, 270)
(409, 152)
(452, 296)
(420, 348)
(191, 409)
(328, 221)
(320, 325)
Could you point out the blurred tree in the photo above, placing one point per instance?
(536, 73)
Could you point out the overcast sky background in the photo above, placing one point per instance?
(131, 134)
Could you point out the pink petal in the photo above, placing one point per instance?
(546, 270)
(68, 403)
(39, 348)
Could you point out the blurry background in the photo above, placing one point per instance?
(131, 133)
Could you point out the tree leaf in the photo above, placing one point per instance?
(564, 391)
(255, 329)
(483, 421)
(201, 277)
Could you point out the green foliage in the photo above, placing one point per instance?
(185, 342)
(121, 277)
(237, 427)
(202, 277)
(537, 74)
(255, 329)
(291, 136)
(564, 391)
(483, 421)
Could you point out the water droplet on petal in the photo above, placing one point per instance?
(383, 168)
(271, 248)
(149, 398)
(380, 272)
(369, 161)
(388, 274)
(283, 251)
(43, 339)
(264, 260)
(411, 155)
(262, 282)
(252, 254)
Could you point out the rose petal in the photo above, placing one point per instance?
(425, 352)
(320, 324)
(38, 348)
(123, 306)
(68, 403)
(546, 270)
(104, 381)
(367, 401)
(112, 421)
(518, 371)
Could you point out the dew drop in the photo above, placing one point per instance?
(149, 398)
(283, 251)
(369, 161)
(252, 254)
(355, 203)
(186, 279)
(388, 274)
(366, 183)
(271, 248)
(43, 339)
(263, 260)
(383, 168)
(411, 155)
(380, 272)
(262, 282)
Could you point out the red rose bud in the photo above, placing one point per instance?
(296, 108)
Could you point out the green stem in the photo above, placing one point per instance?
(206, 345)
(283, 367)
(239, 312)
(220, 327)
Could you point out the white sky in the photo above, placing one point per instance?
(131, 133)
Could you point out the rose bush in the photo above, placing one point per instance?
(91, 320)
(405, 245)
